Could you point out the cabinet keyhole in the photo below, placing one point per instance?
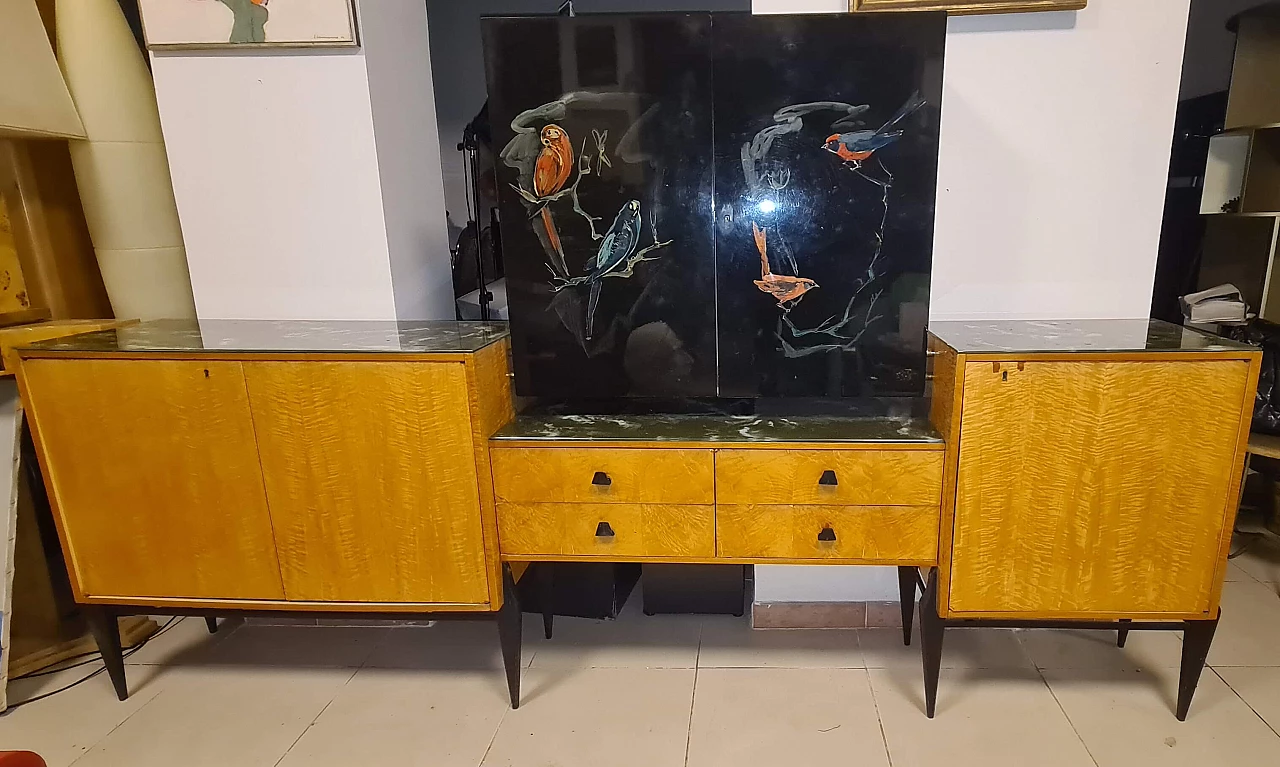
(1004, 376)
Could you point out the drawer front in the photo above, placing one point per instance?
(606, 530)
(602, 475)
(830, 477)
(889, 534)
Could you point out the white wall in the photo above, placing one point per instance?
(1053, 171)
(276, 178)
(1056, 131)
(307, 180)
(398, 60)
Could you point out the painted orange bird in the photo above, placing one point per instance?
(860, 145)
(552, 170)
(780, 286)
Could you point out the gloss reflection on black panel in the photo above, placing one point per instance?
(606, 197)
(826, 167)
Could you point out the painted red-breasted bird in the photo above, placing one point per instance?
(552, 170)
(780, 286)
(860, 145)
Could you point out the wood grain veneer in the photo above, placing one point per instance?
(556, 474)
(154, 478)
(639, 530)
(1094, 486)
(371, 480)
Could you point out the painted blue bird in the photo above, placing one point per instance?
(618, 245)
(859, 145)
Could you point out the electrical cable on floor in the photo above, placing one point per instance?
(92, 655)
(14, 706)
(21, 703)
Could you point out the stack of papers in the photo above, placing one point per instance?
(1219, 304)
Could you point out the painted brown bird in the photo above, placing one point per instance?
(780, 286)
(550, 173)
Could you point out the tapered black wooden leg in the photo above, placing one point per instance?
(509, 632)
(106, 632)
(1122, 635)
(931, 630)
(907, 580)
(212, 623)
(1197, 637)
(546, 594)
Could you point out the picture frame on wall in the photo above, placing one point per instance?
(967, 7)
(202, 24)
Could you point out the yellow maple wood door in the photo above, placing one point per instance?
(154, 477)
(1094, 487)
(371, 480)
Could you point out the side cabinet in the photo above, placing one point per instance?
(353, 482)
(1095, 487)
(154, 477)
(371, 480)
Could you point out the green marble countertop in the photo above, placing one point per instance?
(1050, 336)
(717, 429)
(285, 336)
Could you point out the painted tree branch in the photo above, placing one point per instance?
(640, 257)
(628, 268)
(833, 327)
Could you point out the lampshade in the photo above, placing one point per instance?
(34, 102)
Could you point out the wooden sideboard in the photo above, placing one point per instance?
(714, 489)
(1077, 474)
(242, 466)
(1092, 478)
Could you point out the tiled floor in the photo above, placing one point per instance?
(670, 691)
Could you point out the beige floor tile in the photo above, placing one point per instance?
(297, 646)
(732, 643)
(1060, 648)
(63, 727)
(985, 718)
(186, 640)
(1260, 688)
(1237, 573)
(450, 645)
(574, 717)
(632, 641)
(1249, 632)
(1261, 561)
(961, 648)
(401, 717)
(1127, 718)
(829, 717)
(219, 716)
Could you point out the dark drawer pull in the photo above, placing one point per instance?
(603, 530)
(601, 479)
(828, 478)
(827, 535)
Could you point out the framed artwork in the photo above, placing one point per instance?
(960, 7)
(261, 23)
(717, 206)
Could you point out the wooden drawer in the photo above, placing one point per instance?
(856, 478)
(889, 534)
(602, 475)
(606, 530)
